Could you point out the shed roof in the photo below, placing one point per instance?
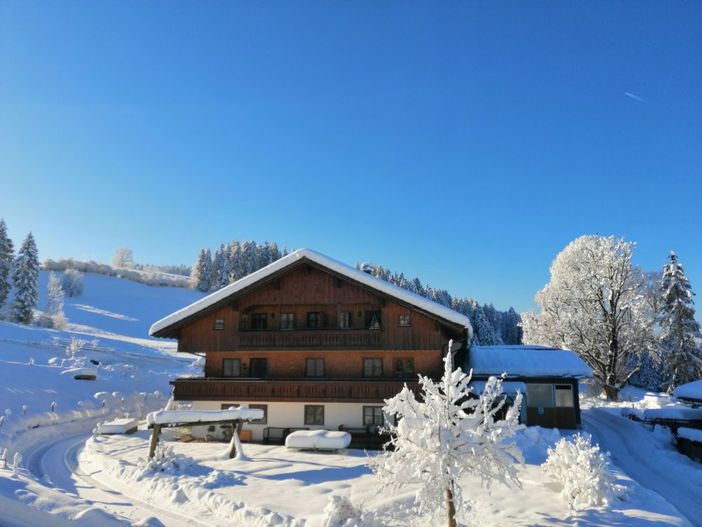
(691, 391)
(353, 274)
(526, 361)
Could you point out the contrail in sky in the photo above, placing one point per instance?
(634, 96)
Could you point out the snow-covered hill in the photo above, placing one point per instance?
(108, 326)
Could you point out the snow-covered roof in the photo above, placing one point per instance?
(163, 417)
(691, 390)
(526, 361)
(324, 261)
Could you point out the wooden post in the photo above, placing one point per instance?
(235, 444)
(451, 506)
(154, 440)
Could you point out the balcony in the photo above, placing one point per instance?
(330, 390)
(320, 338)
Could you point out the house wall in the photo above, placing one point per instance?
(288, 414)
(337, 363)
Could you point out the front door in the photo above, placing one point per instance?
(259, 368)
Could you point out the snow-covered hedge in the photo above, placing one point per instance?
(584, 472)
(144, 277)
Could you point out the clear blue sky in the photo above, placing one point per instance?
(463, 142)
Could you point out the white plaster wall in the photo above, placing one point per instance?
(292, 415)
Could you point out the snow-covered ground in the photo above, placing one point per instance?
(68, 477)
(111, 317)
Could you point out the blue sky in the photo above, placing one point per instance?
(462, 142)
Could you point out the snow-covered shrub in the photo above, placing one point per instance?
(446, 434)
(340, 512)
(3, 458)
(16, 461)
(52, 406)
(72, 282)
(164, 460)
(584, 472)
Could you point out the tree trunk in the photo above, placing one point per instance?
(451, 507)
(611, 392)
(154, 440)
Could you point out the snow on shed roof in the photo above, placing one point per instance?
(324, 261)
(526, 361)
(691, 390)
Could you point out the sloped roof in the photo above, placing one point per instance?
(691, 390)
(324, 261)
(526, 361)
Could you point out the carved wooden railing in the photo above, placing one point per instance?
(287, 389)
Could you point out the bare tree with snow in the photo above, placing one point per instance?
(445, 434)
(595, 305)
(55, 297)
(123, 257)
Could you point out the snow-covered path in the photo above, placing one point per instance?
(627, 442)
(56, 465)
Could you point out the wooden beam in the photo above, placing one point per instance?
(156, 432)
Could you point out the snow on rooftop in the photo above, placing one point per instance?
(526, 361)
(691, 390)
(320, 259)
(163, 417)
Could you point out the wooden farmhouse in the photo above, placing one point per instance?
(312, 342)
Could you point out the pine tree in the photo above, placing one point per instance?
(25, 277)
(220, 270)
(682, 360)
(6, 259)
(201, 276)
(484, 332)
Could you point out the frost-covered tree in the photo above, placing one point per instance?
(201, 277)
(682, 359)
(594, 305)
(445, 434)
(123, 257)
(220, 270)
(6, 260)
(511, 327)
(54, 305)
(484, 332)
(72, 282)
(25, 278)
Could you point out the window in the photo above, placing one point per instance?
(404, 320)
(259, 321)
(231, 368)
(372, 367)
(314, 320)
(244, 322)
(314, 414)
(373, 415)
(218, 324)
(540, 395)
(314, 367)
(564, 395)
(373, 319)
(403, 367)
(227, 406)
(263, 407)
(259, 368)
(344, 319)
(287, 321)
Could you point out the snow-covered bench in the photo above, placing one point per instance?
(318, 440)
(118, 426)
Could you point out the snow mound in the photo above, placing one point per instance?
(318, 440)
(691, 434)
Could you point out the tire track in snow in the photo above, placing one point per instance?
(622, 438)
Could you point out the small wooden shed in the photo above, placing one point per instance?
(547, 377)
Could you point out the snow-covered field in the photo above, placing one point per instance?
(68, 477)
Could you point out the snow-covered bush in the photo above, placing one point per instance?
(584, 472)
(340, 512)
(445, 434)
(164, 460)
(74, 346)
(72, 282)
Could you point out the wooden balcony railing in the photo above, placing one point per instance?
(360, 390)
(311, 339)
